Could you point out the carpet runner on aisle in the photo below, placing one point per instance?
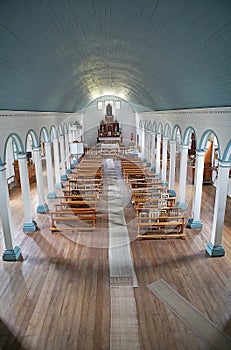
(124, 322)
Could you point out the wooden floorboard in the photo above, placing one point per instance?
(58, 295)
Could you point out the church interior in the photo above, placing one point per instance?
(115, 175)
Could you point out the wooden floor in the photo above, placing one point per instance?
(58, 295)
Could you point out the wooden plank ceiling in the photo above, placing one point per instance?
(58, 55)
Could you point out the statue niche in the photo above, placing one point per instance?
(109, 116)
(109, 110)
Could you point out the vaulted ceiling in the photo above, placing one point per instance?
(58, 55)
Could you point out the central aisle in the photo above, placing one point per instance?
(124, 322)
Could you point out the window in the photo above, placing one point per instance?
(100, 105)
(117, 104)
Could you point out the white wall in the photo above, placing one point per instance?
(92, 118)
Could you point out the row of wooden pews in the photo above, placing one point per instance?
(156, 210)
(77, 207)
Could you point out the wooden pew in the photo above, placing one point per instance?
(152, 225)
(158, 211)
(142, 197)
(75, 186)
(75, 181)
(152, 191)
(147, 200)
(141, 176)
(80, 197)
(139, 183)
(80, 203)
(77, 215)
(81, 191)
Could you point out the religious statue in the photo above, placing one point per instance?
(109, 110)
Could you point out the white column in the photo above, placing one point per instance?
(135, 136)
(183, 176)
(148, 148)
(172, 169)
(142, 143)
(70, 135)
(140, 138)
(74, 134)
(56, 161)
(153, 153)
(62, 158)
(194, 221)
(145, 145)
(10, 253)
(29, 225)
(164, 161)
(158, 146)
(67, 153)
(42, 206)
(214, 248)
(50, 183)
(78, 134)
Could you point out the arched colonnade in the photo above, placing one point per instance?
(56, 148)
(159, 144)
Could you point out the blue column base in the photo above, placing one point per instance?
(11, 254)
(63, 177)
(172, 193)
(72, 166)
(75, 161)
(153, 169)
(215, 250)
(58, 185)
(182, 205)
(145, 160)
(164, 183)
(148, 164)
(68, 171)
(51, 195)
(194, 224)
(42, 208)
(30, 226)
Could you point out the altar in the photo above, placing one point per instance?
(109, 130)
